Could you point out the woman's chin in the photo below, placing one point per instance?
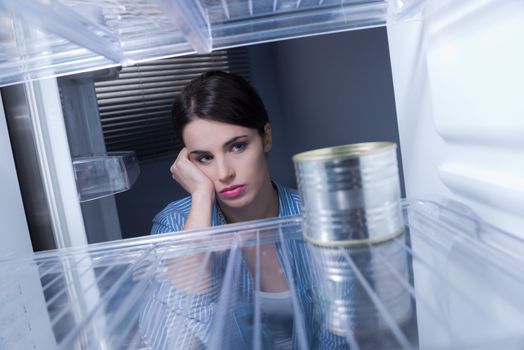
(237, 203)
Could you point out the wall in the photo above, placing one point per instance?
(153, 190)
(337, 90)
(265, 80)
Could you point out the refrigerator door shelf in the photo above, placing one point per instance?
(104, 175)
(448, 272)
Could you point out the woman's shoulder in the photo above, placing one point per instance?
(291, 193)
(172, 218)
(289, 199)
(181, 206)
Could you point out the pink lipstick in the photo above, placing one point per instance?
(233, 191)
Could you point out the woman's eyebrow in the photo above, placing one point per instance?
(198, 153)
(233, 140)
(226, 144)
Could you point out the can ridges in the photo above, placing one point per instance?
(352, 224)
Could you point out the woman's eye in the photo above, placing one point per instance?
(204, 159)
(238, 147)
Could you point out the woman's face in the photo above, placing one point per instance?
(233, 157)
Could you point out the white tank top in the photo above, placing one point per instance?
(277, 310)
(276, 304)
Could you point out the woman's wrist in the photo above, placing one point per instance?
(203, 197)
(200, 212)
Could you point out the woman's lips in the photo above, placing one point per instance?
(233, 191)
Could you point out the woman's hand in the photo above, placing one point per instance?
(192, 179)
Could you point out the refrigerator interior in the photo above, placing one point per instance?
(457, 83)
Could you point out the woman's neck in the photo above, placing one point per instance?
(264, 206)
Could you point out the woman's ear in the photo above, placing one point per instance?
(268, 137)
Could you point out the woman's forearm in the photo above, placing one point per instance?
(188, 273)
(200, 212)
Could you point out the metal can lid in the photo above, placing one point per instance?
(355, 150)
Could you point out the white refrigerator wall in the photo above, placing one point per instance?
(458, 79)
(14, 233)
(20, 296)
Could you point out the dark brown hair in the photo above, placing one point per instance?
(219, 96)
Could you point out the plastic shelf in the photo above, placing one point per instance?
(449, 281)
(104, 175)
(235, 23)
(49, 38)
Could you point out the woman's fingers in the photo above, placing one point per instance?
(175, 167)
(189, 176)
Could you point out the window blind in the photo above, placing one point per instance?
(135, 109)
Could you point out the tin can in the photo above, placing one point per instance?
(350, 193)
(354, 227)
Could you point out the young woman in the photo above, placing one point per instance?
(226, 135)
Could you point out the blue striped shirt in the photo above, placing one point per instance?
(173, 319)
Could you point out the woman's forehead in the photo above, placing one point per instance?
(206, 134)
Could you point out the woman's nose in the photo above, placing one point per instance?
(226, 171)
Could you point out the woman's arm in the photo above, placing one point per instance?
(188, 273)
(179, 311)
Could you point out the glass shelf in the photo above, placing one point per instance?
(235, 23)
(448, 281)
(48, 38)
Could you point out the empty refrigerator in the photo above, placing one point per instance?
(456, 77)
